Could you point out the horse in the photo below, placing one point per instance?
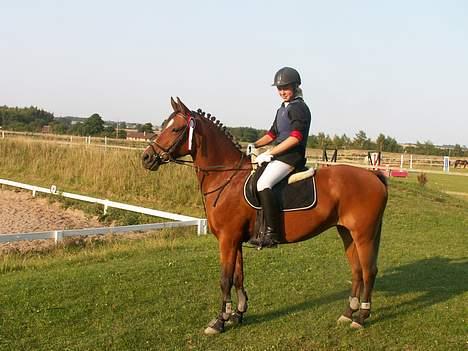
(460, 163)
(350, 198)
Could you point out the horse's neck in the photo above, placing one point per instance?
(214, 150)
(218, 160)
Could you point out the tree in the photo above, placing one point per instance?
(312, 141)
(94, 125)
(323, 140)
(346, 141)
(457, 150)
(147, 127)
(361, 141)
(380, 142)
(60, 126)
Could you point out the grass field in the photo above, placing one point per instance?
(109, 174)
(159, 293)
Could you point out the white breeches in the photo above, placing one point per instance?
(274, 172)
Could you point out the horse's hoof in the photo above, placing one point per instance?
(343, 319)
(216, 326)
(356, 325)
(235, 318)
(211, 331)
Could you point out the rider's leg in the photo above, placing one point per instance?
(274, 172)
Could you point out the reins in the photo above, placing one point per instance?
(217, 168)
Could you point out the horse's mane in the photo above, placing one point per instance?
(213, 120)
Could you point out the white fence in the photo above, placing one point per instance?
(178, 220)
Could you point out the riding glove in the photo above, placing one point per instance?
(264, 158)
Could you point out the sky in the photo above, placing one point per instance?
(394, 67)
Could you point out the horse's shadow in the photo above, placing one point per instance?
(431, 281)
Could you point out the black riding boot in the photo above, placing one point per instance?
(271, 236)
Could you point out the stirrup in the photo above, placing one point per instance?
(265, 241)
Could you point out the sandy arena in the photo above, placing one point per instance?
(22, 213)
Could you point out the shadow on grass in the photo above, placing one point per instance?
(258, 318)
(434, 280)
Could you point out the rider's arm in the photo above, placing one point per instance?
(287, 144)
(264, 140)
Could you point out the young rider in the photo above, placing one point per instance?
(289, 134)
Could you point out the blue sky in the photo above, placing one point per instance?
(396, 67)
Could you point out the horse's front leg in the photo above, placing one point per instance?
(228, 252)
(237, 316)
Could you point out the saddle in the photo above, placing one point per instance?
(294, 193)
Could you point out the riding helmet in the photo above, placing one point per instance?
(285, 76)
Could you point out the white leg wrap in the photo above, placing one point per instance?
(354, 302)
(227, 311)
(365, 306)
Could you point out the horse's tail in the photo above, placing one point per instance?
(382, 177)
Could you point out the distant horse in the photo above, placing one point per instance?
(350, 198)
(460, 163)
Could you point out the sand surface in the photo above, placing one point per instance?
(22, 213)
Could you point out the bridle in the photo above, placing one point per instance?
(165, 156)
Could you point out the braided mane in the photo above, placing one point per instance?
(219, 125)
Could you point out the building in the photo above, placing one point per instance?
(140, 136)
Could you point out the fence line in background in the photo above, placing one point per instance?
(386, 168)
(181, 220)
(59, 235)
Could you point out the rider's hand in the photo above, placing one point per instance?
(264, 158)
(250, 149)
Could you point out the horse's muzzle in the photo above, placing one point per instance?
(151, 162)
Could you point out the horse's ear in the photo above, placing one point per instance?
(174, 105)
(182, 107)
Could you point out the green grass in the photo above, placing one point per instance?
(443, 182)
(111, 174)
(159, 293)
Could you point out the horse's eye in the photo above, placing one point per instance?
(177, 129)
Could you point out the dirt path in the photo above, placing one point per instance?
(20, 213)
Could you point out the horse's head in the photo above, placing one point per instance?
(171, 143)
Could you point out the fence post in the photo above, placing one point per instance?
(201, 227)
(58, 236)
(446, 164)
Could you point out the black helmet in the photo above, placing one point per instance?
(285, 76)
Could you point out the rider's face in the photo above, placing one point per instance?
(286, 92)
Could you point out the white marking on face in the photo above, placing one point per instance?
(170, 123)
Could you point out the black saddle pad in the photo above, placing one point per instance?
(297, 196)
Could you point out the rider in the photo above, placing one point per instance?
(289, 133)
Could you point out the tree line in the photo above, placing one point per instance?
(32, 119)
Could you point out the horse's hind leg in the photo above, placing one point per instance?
(367, 251)
(356, 271)
(237, 316)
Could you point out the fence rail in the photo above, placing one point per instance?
(58, 235)
(179, 220)
(386, 168)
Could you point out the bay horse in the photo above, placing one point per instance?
(349, 198)
(460, 163)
